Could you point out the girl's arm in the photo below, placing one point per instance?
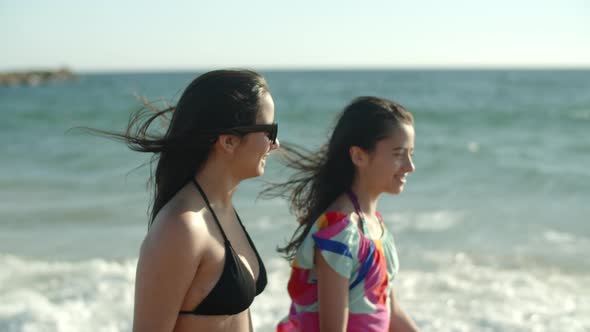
(332, 296)
(399, 320)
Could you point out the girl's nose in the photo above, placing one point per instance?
(410, 167)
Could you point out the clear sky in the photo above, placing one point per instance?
(182, 34)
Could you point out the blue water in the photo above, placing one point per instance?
(492, 230)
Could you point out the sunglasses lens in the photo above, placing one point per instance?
(270, 131)
(273, 133)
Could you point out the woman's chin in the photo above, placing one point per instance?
(255, 173)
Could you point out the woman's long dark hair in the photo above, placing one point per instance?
(216, 100)
(324, 175)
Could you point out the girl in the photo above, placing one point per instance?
(344, 259)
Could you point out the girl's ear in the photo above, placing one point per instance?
(359, 157)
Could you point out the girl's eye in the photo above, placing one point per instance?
(401, 154)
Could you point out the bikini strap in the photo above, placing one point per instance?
(248, 237)
(355, 203)
(357, 209)
(210, 209)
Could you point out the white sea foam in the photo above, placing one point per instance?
(558, 237)
(466, 297)
(433, 221)
(93, 295)
(273, 304)
(567, 246)
(473, 147)
(459, 294)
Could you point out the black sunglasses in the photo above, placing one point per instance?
(271, 130)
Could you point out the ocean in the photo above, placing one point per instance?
(493, 228)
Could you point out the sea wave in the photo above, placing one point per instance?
(461, 294)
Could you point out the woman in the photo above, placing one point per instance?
(343, 258)
(198, 269)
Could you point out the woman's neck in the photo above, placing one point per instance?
(218, 182)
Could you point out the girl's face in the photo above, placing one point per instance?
(255, 147)
(391, 161)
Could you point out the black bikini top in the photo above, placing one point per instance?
(235, 290)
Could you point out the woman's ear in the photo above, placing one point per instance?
(228, 143)
(359, 157)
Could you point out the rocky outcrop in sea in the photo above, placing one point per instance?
(35, 77)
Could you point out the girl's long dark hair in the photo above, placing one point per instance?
(322, 176)
(216, 100)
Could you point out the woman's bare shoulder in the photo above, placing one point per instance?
(179, 226)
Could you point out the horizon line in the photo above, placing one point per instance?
(581, 67)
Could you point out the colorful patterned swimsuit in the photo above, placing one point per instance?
(369, 265)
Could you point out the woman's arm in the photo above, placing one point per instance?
(332, 296)
(168, 260)
(399, 320)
